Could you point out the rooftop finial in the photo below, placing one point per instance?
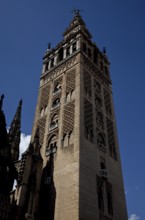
(1, 101)
(76, 11)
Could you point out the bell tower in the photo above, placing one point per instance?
(81, 177)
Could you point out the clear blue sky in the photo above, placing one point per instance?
(26, 26)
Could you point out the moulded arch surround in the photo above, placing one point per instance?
(52, 139)
(54, 118)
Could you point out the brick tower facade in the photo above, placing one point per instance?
(72, 168)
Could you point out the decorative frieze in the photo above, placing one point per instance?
(59, 69)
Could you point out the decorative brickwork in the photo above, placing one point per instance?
(68, 117)
(105, 80)
(87, 84)
(41, 126)
(44, 96)
(97, 87)
(88, 120)
(70, 81)
(111, 138)
(107, 102)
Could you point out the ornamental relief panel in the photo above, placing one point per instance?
(92, 68)
(41, 125)
(70, 81)
(107, 102)
(44, 96)
(68, 117)
(88, 120)
(87, 84)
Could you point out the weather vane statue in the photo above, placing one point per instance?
(76, 11)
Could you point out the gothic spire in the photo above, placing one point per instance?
(15, 132)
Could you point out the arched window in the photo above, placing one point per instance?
(74, 47)
(60, 54)
(52, 62)
(55, 103)
(52, 145)
(41, 112)
(45, 109)
(54, 122)
(68, 96)
(65, 140)
(57, 88)
(46, 66)
(71, 138)
(72, 94)
(68, 51)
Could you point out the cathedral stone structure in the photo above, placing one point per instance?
(72, 168)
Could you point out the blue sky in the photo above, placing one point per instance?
(26, 26)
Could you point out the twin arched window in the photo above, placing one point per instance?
(68, 139)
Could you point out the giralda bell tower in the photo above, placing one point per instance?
(82, 176)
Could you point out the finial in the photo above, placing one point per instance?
(1, 101)
(76, 11)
